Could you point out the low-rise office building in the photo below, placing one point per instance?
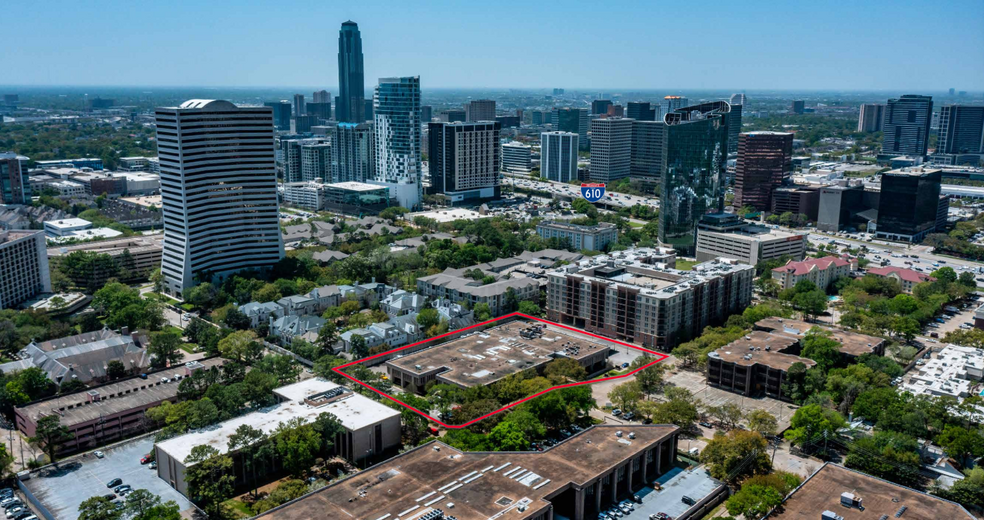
(821, 271)
(954, 372)
(65, 227)
(726, 235)
(372, 429)
(23, 267)
(576, 479)
(486, 357)
(797, 199)
(356, 197)
(907, 278)
(834, 492)
(517, 158)
(630, 296)
(110, 412)
(309, 195)
(591, 238)
(137, 256)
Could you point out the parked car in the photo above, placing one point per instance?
(616, 412)
(687, 500)
(153, 465)
(14, 510)
(124, 487)
(113, 483)
(629, 416)
(99, 454)
(145, 459)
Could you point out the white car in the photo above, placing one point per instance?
(99, 454)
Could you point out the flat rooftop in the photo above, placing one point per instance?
(880, 498)
(634, 275)
(484, 357)
(481, 485)
(132, 244)
(852, 343)
(762, 348)
(114, 398)
(355, 186)
(353, 410)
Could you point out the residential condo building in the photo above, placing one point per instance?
(23, 267)
(591, 238)
(464, 160)
(398, 132)
(480, 110)
(15, 185)
(725, 235)
(353, 152)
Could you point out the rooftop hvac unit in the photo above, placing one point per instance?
(830, 515)
(850, 500)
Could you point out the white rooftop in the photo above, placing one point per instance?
(356, 186)
(86, 234)
(447, 215)
(953, 373)
(67, 223)
(353, 410)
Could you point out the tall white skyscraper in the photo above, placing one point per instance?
(396, 109)
(218, 190)
(558, 156)
(352, 153)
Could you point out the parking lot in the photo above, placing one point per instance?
(696, 382)
(61, 491)
(676, 483)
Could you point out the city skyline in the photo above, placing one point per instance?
(821, 48)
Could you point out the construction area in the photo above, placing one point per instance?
(482, 358)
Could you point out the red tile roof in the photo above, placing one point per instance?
(804, 266)
(906, 274)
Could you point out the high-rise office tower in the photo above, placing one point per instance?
(558, 92)
(647, 152)
(397, 127)
(300, 108)
(798, 106)
(368, 112)
(322, 111)
(600, 106)
(641, 111)
(615, 111)
(571, 120)
(15, 186)
(517, 158)
(315, 160)
(695, 164)
(352, 153)
(611, 149)
(671, 103)
(451, 115)
(870, 118)
(738, 99)
(464, 160)
(734, 127)
(303, 124)
(350, 104)
(480, 110)
(905, 129)
(558, 156)
(961, 130)
(426, 113)
(321, 96)
(281, 114)
(290, 153)
(219, 191)
(765, 160)
(908, 203)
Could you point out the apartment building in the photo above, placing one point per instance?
(907, 278)
(821, 271)
(591, 238)
(454, 285)
(23, 267)
(630, 296)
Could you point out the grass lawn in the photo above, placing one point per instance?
(187, 306)
(188, 347)
(173, 330)
(636, 225)
(237, 509)
(685, 265)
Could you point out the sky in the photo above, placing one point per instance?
(695, 44)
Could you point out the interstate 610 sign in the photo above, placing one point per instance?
(593, 192)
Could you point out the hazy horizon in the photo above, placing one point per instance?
(876, 45)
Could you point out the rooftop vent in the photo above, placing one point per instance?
(830, 515)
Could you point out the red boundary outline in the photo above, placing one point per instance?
(659, 357)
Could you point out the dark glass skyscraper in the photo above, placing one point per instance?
(905, 129)
(696, 152)
(765, 160)
(908, 203)
(350, 107)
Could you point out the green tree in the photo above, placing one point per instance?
(358, 347)
(813, 422)
(739, 453)
(165, 349)
(210, 478)
(297, 445)
(248, 442)
(763, 422)
(625, 395)
(563, 370)
(241, 346)
(650, 379)
(327, 337)
(98, 508)
(529, 308)
(818, 346)
(507, 436)
(753, 501)
(729, 414)
(959, 442)
(811, 304)
(428, 318)
(115, 369)
(49, 435)
(482, 312)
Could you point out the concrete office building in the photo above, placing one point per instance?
(846, 206)
(320, 111)
(303, 124)
(821, 271)
(315, 160)
(451, 116)
(574, 120)
(309, 195)
(65, 227)
(356, 197)
(352, 153)
(111, 412)
(576, 479)
(23, 267)
(961, 135)
(517, 158)
(372, 429)
(281, 114)
(630, 295)
(611, 149)
(218, 191)
(640, 111)
(906, 123)
(871, 117)
(480, 110)
(695, 164)
(349, 106)
(15, 185)
(646, 158)
(909, 203)
(464, 161)
(139, 255)
(397, 129)
(591, 238)
(600, 106)
(558, 156)
(797, 199)
(725, 235)
(764, 164)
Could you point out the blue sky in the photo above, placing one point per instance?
(745, 44)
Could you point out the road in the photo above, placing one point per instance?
(574, 192)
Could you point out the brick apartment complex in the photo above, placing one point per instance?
(907, 278)
(820, 271)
